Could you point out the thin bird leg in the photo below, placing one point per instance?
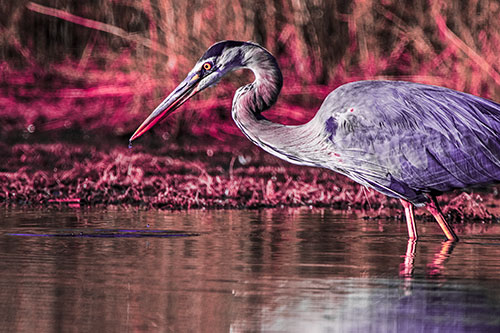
(410, 219)
(433, 208)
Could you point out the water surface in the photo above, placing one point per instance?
(289, 270)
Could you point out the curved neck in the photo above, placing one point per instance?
(291, 143)
(261, 94)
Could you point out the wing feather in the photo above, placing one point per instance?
(412, 138)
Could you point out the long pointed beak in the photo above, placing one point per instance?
(183, 92)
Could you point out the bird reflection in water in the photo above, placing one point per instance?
(434, 268)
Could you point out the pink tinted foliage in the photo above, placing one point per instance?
(121, 69)
(197, 176)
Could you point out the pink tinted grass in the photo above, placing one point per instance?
(103, 94)
(201, 176)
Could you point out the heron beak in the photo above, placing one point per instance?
(183, 92)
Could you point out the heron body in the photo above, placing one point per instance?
(406, 140)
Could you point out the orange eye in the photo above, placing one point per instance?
(207, 66)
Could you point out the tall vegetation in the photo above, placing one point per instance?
(93, 70)
(99, 67)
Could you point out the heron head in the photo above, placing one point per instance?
(218, 60)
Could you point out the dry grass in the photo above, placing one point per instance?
(112, 61)
(91, 71)
(193, 176)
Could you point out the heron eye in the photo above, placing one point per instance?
(207, 66)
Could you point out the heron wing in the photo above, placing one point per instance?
(405, 139)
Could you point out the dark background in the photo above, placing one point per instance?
(99, 67)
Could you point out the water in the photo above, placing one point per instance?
(289, 270)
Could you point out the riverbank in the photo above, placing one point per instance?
(194, 175)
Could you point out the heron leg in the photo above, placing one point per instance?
(410, 219)
(433, 208)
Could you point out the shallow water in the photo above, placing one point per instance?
(290, 270)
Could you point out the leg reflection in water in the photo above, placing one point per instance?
(435, 267)
(440, 258)
(406, 268)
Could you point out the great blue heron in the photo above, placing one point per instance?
(407, 140)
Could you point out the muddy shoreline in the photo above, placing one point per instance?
(195, 175)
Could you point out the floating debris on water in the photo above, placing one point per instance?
(110, 233)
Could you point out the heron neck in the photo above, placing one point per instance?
(291, 143)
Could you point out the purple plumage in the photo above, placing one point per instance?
(407, 139)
